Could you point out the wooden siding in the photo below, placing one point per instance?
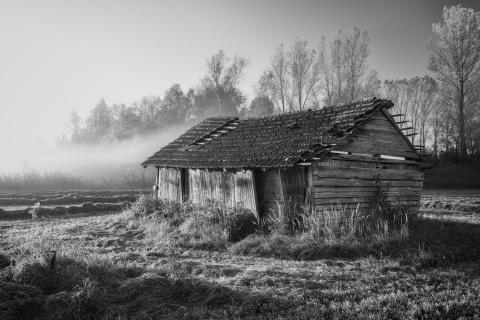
(356, 183)
(169, 184)
(294, 181)
(377, 136)
(229, 188)
(270, 192)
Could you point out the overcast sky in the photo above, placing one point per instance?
(59, 55)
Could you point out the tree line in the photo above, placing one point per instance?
(443, 107)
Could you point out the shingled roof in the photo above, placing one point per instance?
(271, 141)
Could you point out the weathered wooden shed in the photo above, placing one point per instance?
(340, 154)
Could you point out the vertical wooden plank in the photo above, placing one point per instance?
(230, 189)
(178, 185)
(194, 185)
(169, 184)
(286, 206)
(156, 186)
(217, 186)
(309, 190)
(255, 193)
(244, 194)
(185, 184)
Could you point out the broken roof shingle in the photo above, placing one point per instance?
(269, 141)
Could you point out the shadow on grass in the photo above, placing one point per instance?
(446, 241)
(76, 290)
(430, 243)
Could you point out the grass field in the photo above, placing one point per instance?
(109, 266)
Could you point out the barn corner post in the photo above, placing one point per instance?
(156, 186)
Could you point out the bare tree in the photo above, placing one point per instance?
(291, 81)
(425, 89)
(343, 65)
(274, 81)
(372, 85)
(304, 70)
(437, 122)
(455, 59)
(76, 121)
(355, 53)
(414, 99)
(336, 72)
(398, 92)
(222, 75)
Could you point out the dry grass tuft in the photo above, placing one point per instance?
(208, 226)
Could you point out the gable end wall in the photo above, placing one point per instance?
(377, 136)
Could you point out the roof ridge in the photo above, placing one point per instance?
(369, 100)
(226, 118)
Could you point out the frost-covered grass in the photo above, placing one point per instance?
(454, 205)
(116, 267)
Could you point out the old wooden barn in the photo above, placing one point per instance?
(311, 159)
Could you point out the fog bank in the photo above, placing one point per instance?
(85, 160)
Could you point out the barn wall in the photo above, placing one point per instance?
(377, 136)
(230, 188)
(356, 182)
(169, 183)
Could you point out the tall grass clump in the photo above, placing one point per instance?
(341, 222)
(339, 230)
(210, 225)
